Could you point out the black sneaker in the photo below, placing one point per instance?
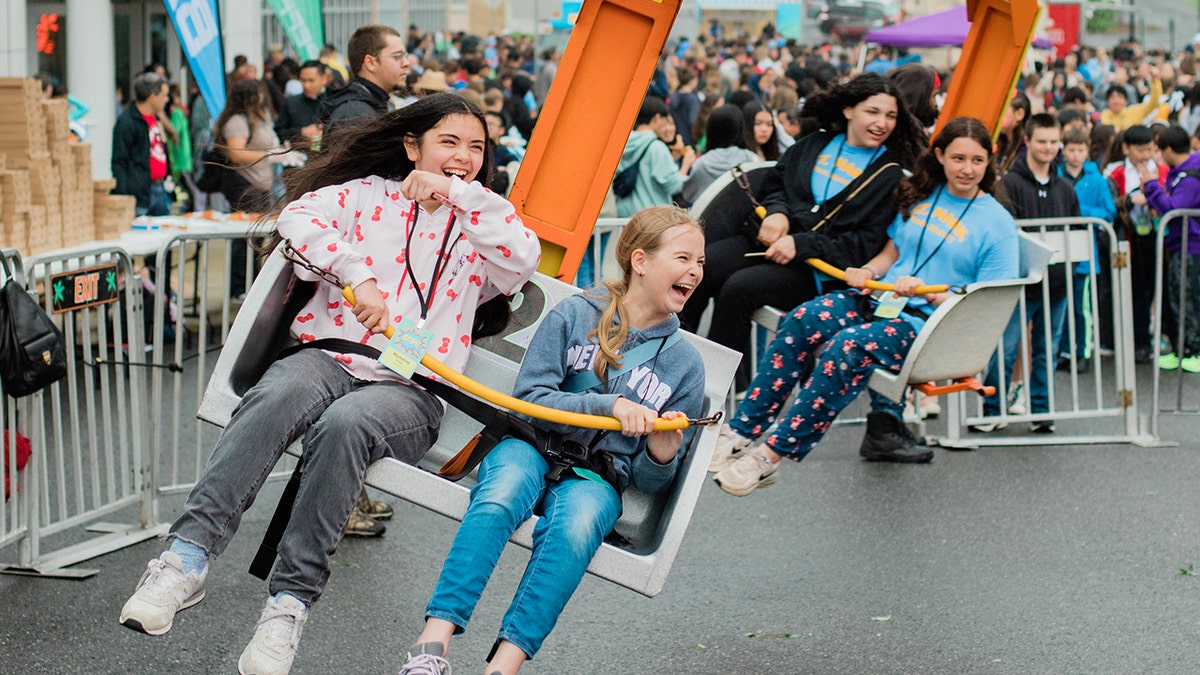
(1045, 427)
(1082, 365)
(888, 440)
(1143, 354)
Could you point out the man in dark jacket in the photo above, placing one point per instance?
(299, 120)
(1036, 191)
(380, 64)
(139, 155)
(1182, 191)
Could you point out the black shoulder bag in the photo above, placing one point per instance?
(33, 353)
(626, 179)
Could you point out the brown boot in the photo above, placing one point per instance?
(373, 508)
(362, 525)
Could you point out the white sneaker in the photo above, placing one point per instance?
(750, 470)
(273, 646)
(729, 448)
(930, 408)
(163, 590)
(1016, 400)
(425, 664)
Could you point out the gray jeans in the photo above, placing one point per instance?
(346, 423)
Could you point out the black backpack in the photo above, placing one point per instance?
(626, 179)
(213, 167)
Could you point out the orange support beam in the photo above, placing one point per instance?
(585, 122)
(961, 384)
(1001, 31)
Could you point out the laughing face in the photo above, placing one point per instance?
(674, 270)
(869, 123)
(454, 147)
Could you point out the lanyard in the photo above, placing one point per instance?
(424, 302)
(928, 218)
(834, 167)
(662, 343)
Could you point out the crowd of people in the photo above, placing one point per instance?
(423, 128)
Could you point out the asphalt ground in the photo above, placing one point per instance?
(1045, 559)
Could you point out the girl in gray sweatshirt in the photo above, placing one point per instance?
(610, 351)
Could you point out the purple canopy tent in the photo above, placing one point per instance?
(942, 29)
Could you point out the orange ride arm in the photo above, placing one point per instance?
(1001, 31)
(585, 122)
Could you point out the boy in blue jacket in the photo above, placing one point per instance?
(1095, 201)
(1182, 191)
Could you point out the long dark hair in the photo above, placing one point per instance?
(930, 173)
(917, 82)
(246, 97)
(376, 147)
(827, 106)
(725, 129)
(1010, 145)
(769, 149)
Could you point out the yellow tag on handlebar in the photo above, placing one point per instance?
(405, 349)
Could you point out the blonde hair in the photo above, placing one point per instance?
(644, 231)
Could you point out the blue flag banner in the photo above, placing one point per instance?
(198, 25)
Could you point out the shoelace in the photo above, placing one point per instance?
(282, 626)
(159, 579)
(426, 664)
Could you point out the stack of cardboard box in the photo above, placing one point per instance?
(48, 199)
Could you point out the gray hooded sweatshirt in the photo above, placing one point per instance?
(671, 379)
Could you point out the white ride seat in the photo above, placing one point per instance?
(653, 525)
(959, 339)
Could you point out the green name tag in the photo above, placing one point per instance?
(589, 474)
(404, 351)
(890, 305)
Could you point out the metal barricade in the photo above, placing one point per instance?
(89, 459)
(1090, 391)
(200, 270)
(604, 246)
(1186, 385)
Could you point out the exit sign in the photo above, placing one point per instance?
(83, 288)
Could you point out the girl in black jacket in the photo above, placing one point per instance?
(829, 197)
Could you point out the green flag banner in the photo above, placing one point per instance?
(302, 23)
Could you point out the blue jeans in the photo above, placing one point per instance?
(1039, 387)
(589, 267)
(576, 515)
(855, 345)
(346, 423)
(159, 204)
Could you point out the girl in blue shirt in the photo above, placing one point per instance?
(950, 230)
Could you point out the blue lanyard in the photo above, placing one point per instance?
(929, 217)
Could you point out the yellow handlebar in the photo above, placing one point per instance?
(822, 266)
(524, 407)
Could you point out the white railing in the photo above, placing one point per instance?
(89, 459)
(1185, 384)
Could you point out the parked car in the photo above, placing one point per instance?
(849, 20)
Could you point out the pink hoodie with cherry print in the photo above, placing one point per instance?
(357, 230)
